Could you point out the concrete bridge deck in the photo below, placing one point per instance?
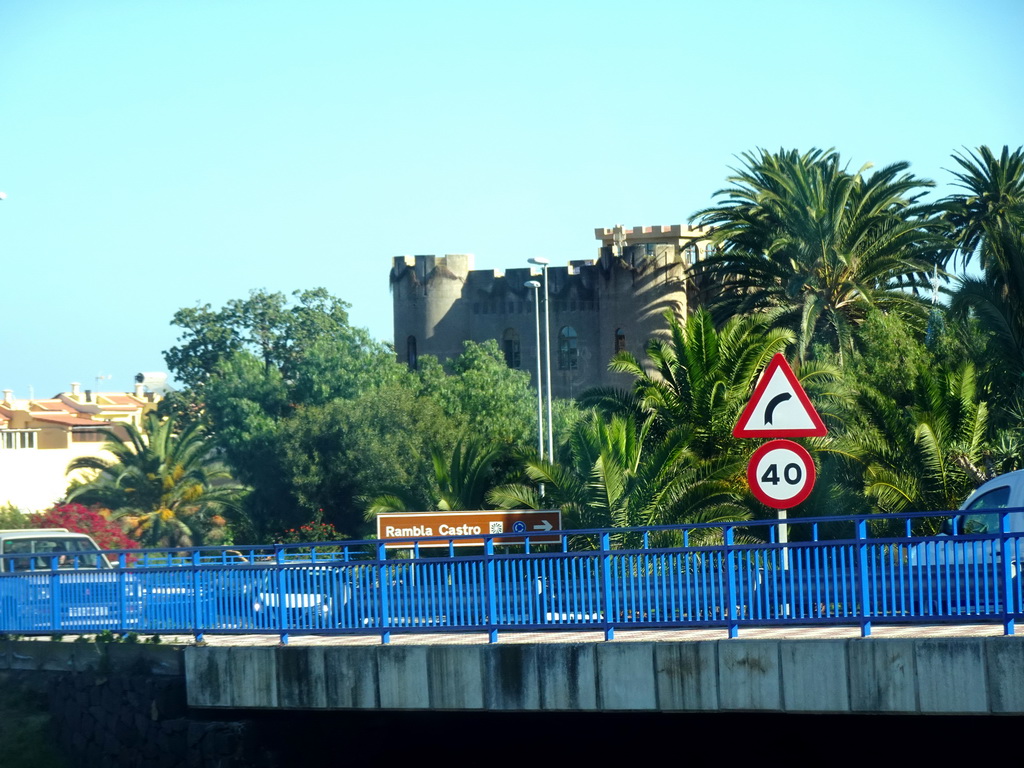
(817, 632)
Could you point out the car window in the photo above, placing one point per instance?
(45, 548)
(997, 498)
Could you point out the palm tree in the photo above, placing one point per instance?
(168, 487)
(695, 384)
(617, 474)
(929, 455)
(988, 220)
(814, 246)
(698, 379)
(462, 479)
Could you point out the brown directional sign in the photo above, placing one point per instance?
(404, 528)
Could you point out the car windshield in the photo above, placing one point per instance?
(38, 553)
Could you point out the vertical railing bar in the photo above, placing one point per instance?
(730, 566)
(492, 598)
(861, 533)
(606, 585)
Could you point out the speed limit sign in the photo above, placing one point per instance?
(781, 474)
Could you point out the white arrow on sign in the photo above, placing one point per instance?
(544, 526)
(779, 407)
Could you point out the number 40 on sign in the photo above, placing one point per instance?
(781, 474)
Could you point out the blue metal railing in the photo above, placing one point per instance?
(729, 575)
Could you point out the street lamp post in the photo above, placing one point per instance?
(543, 263)
(540, 398)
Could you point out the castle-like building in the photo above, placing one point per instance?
(597, 307)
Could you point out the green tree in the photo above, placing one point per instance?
(478, 389)
(928, 455)
(698, 379)
(310, 342)
(251, 367)
(815, 246)
(338, 453)
(168, 486)
(615, 473)
(988, 220)
(462, 479)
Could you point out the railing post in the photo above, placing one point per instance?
(282, 608)
(606, 585)
(197, 599)
(492, 590)
(55, 593)
(1008, 574)
(385, 608)
(861, 531)
(730, 582)
(122, 589)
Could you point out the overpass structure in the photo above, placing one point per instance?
(881, 675)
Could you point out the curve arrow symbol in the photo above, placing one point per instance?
(773, 404)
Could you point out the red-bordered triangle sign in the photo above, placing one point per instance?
(779, 407)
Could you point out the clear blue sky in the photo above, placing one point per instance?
(162, 154)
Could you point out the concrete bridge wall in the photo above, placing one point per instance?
(922, 676)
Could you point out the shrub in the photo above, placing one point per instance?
(80, 519)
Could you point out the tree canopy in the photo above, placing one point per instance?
(168, 485)
(835, 268)
(814, 245)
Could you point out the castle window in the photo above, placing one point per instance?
(709, 251)
(690, 253)
(567, 351)
(410, 352)
(620, 340)
(510, 345)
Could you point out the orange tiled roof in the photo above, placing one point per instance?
(67, 420)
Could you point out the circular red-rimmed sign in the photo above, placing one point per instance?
(781, 474)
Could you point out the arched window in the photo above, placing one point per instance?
(620, 340)
(567, 351)
(690, 254)
(709, 251)
(410, 352)
(510, 346)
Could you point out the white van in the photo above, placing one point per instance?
(979, 518)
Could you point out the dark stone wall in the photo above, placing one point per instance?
(115, 705)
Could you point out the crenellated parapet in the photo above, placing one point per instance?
(598, 307)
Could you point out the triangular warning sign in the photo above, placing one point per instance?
(779, 407)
